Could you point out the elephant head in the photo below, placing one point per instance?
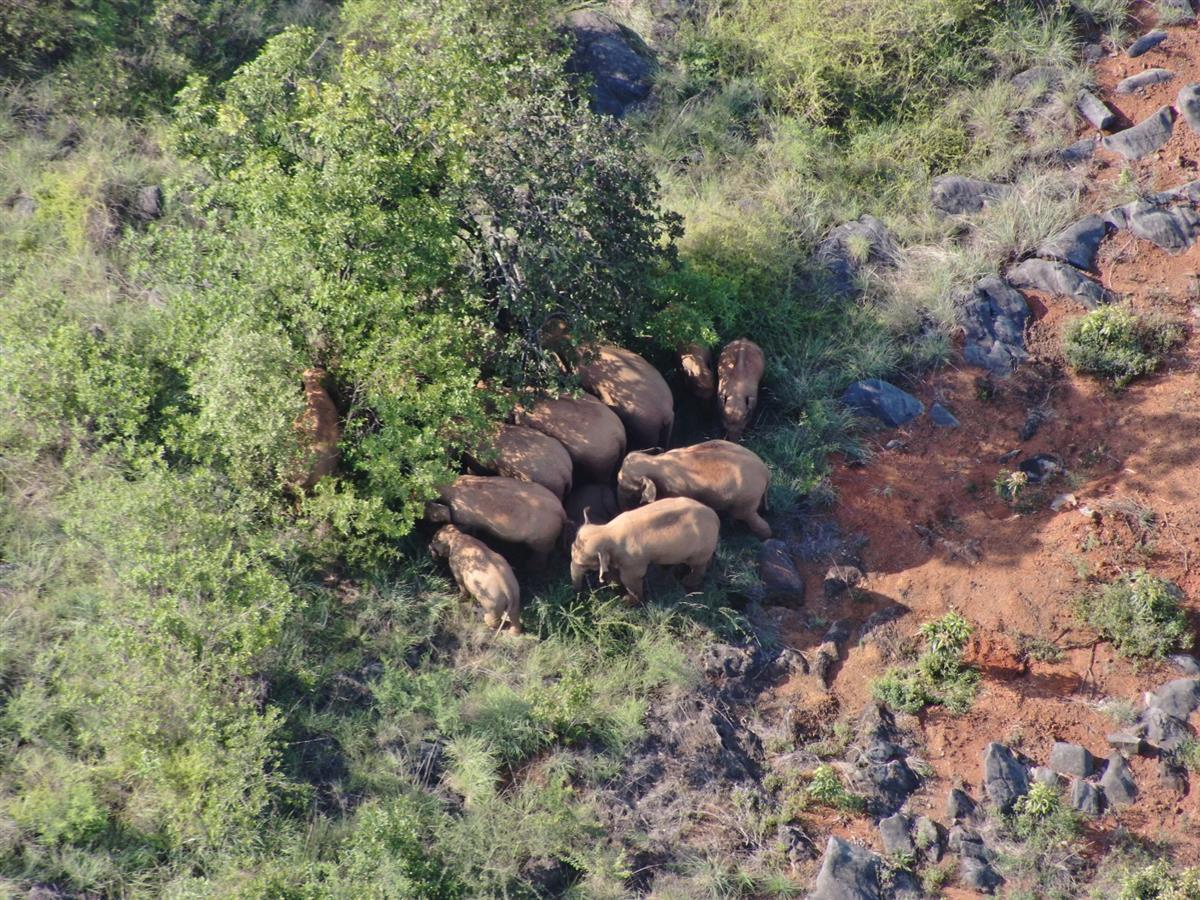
(590, 552)
(635, 487)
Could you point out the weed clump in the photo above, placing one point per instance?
(1140, 613)
(1117, 344)
(939, 678)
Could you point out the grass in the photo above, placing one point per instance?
(939, 677)
(1119, 345)
(1043, 854)
(1140, 614)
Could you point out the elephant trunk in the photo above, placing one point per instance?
(577, 575)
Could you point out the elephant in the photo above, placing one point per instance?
(739, 371)
(318, 431)
(722, 475)
(598, 501)
(676, 531)
(481, 573)
(696, 365)
(591, 432)
(634, 390)
(509, 510)
(528, 455)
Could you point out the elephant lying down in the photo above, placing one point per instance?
(672, 532)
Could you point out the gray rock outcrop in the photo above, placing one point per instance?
(883, 401)
(613, 58)
(1076, 244)
(1144, 79)
(1005, 778)
(955, 194)
(1145, 137)
(1058, 279)
(994, 317)
(847, 873)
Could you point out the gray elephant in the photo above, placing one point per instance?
(527, 454)
(634, 390)
(591, 432)
(722, 475)
(677, 531)
(513, 511)
(483, 574)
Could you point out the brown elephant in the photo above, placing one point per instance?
(318, 431)
(483, 574)
(599, 501)
(739, 371)
(528, 455)
(677, 531)
(722, 475)
(591, 432)
(634, 390)
(696, 366)
(509, 510)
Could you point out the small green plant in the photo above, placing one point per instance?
(934, 878)
(1117, 344)
(1009, 485)
(939, 676)
(825, 787)
(1043, 854)
(1188, 753)
(1159, 881)
(1140, 613)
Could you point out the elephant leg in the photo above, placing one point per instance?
(634, 582)
(540, 557)
(695, 575)
(757, 524)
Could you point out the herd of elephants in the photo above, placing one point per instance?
(592, 472)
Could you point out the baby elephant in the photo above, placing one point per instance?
(739, 370)
(482, 573)
(671, 532)
(723, 476)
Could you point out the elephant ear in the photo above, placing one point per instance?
(649, 491)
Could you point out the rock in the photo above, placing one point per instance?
(839, 579)
(777, 569)
(1178, 698)
(1185, 663)
(954, 194)
(994, 317)
(1171, 227)
(1086, 798)
(848, 247)
(1144, 79)
(1095, 111)
(798, 762)
(978, 876)
(847, 873)
(1045, 775)
(1092, 53)
(1176, 12)
(1118, 784)
(839, 631)
(1071, 759)
(789, 662)
(149, 203)
(799, 847)
(1173, 775)
(1041, 467)
(1058, 279)
(1079, 152)
(959, 806)
(613, 57)
(1077, 244)
(1126, 741)
(1163, 730)
(894, 831)
(1187, 101)
(1146, 43)
(883, 401)
(23, 205)
(1145, 137)
(823, 659)
(942, 417)
(929, 838)
(1005, 777)
(726, 661)
(966, 842)
(890, 785)
(880, 751)
(1043, 79)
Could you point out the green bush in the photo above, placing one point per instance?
(1159, 881)
(1140, 613)
(939, 676)
(825, 787)
(1044, 852)
(1116, 344)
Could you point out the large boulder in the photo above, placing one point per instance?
(1174, 227)
(959, 805)
(1188, 103)
(1144, 79)
(847, 873)
(1178, 698)
(1096, 111)
(955, 194)
(895, 832)
(1145, 137)
(978, 875)
(1146, 43)
(1076, 244)
(883, 401)
(613, 58)
(1005, 778)
(1117, 781)
(1058, 279)
(1071, 759)
(850, 246)
(994, 317)
(1163, 730)
(1086, 798)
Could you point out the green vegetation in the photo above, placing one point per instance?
(939, 676)
(826, 788)
(1140, 613)
(1159, 880)
(1044, 852)
(1119, 345)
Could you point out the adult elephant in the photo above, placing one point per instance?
(512, 511)
(591, 432)
(634, 390)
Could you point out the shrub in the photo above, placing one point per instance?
(939, 676)
(1043, 852)
(825, 787)
(1116, 344)
(1140, 613)
(1159, 881)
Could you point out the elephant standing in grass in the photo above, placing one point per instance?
(739, 371)
(516, 512)
(696, 366)
(673, 532)
(591, 432)
(722, 475)
(318, 431)
(483, 574)
(528, 455)
(634, 390)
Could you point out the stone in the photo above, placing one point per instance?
(979, 876)
(845, 250)
(1045, 775)
(1077, 244)
(1144, 79)
(726, 661)
(839, 632)
(954, 194)
(959, 806)
(1071, 759)
(777, 569)
(892, 783)
(149, 203)
(1126, 741)
(23, 205)
(928, 838)
(1118, 783)
(799, 847)
(1146, 43)
(966, 842)
(883, 401)
(1042, 79)
(895, 833)
(1163, 730)
(1177, 12)
(994, 317)
(1086, 798)
(1145, 137)
(1005, 778)
(1096, 111)
(1092, 53)
(1058, 279)
(1187, 101)
(847, 873)
(1173, 775)
(1172, 227)
(613, 57)
(942, 417)
(839, 579)
(1079, 152)
(1178, 698)
(1185, 663)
